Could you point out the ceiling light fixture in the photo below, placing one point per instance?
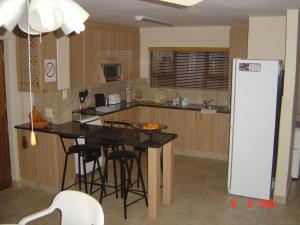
(152, 20)
(183, 2)
(43, 16)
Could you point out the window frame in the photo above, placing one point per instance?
(189, 49)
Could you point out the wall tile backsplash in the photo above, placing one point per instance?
(62, 108)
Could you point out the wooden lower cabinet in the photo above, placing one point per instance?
(128, 115)
(41, 166)
(199, 134)
(211, 135)
(183, 124)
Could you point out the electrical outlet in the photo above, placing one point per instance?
(48, 112)
(64, 94)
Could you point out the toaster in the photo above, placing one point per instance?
(114, 99)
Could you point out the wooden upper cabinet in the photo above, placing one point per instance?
(238, 45)
(134, 48)
(103, 43)
(40, 50)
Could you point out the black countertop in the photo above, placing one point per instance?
(123, 106)
(95, 134)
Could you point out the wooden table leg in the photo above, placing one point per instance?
(168, 173)
(153, 182)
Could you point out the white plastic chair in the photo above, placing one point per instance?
(77, 208)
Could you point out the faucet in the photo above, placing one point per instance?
(206, 103)
(178, 99)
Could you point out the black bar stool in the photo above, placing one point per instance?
(123, 157)
(114, 145)
(86, 152)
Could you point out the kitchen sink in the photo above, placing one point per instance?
(106, 109)
(207, 110)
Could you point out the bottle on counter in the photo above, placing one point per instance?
(138, 95)
(128, 94)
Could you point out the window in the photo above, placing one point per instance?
(190, 68)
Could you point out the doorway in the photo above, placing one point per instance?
(5, 170)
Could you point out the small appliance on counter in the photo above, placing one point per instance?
(128, 94)
(114, 99)
(82, 96)
(100, 100)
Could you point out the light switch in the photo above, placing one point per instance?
(48, 112)
(64, 94)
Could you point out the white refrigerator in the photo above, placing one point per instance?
(255, 112)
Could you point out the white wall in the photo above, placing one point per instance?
(17, 102)
(210, 36)
(287, 123)
(276, 38)
(266, 39)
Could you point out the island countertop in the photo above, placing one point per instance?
(93, 133)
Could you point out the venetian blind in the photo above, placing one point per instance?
(203, 69)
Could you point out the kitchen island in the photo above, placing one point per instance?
(202, 132)
(154, 143)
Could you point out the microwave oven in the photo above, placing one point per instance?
(111, 71)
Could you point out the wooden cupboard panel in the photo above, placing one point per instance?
(92, 63)
(183, 125)
(46, 163)
(207, 131)
(77, 70)
(27, 156)
(42, 164)
(39, 50)
(145, 114)
(112, 116)
(103, 43)
(134, 115)
(123, 116)
(238, 45)
(221, 133)
(163, 116)
(22, 62)
(113, 44)
(134, 47)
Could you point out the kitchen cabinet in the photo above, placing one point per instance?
(199, 134)
(211, 135)
(123, 116)
(238, 45)
(41, 166)
(103, 43)
(183, 124)
(40, 50)
(109, 117)
(128, 115)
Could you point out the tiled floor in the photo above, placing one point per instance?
(200, 198)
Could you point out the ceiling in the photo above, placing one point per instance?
(208, 12)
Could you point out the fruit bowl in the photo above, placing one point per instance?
(150, 127)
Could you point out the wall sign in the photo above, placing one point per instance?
(50, 70)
